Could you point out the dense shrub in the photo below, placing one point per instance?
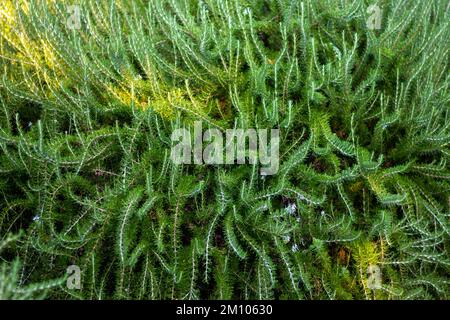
(86, 177)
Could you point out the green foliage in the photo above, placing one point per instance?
(12, 279)
(85, 171)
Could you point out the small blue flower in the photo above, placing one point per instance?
(36, 218)
(291, 208)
